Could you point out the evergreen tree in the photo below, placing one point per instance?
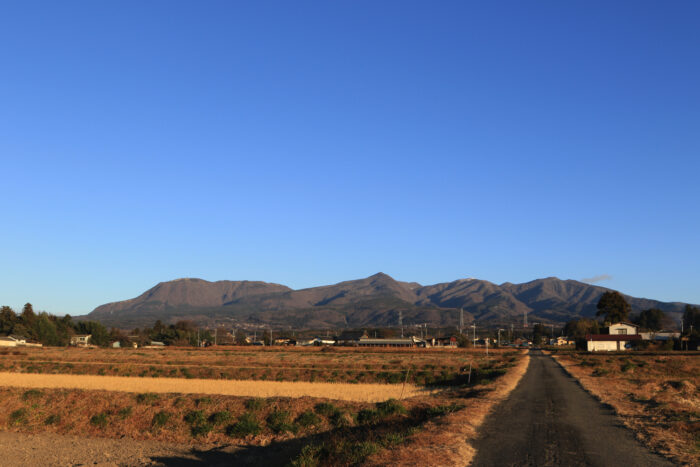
(614, 307)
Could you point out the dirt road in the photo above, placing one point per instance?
(47, 449)
(549, 420)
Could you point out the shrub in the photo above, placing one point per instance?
(443, 410)
(325, 408)
(308, 419)
(52, 419)
(202, 401)
(340, 419)
(124, 413)
(255, 403)
(247, 424)
(219, 418)
(627, 366)
(390, 407)
(146, 398)
(201, 430)
(600, 372)
(18, 417)
(31, 394)
(278, 422)
(160, 419)
(308, 456)
(195, 417)
(368, 417)
(393, 439)
(99, 420)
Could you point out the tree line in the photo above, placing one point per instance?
(613, 308)
(51, 330)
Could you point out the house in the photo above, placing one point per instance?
(623, 329)
(561, 340)
(80, 340)
(620, 337)
(8, 341)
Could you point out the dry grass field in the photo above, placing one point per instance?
(656, 394)
(313, 364)
(431, 402)
(247, 388)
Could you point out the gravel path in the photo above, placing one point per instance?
(549, 420)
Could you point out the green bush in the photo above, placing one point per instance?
(147, 398)
(52, 419)
(124, 413)
(443, 409)
(247, 424)
(390, 407)
(340, 419)
(308, 456)
(18, 417)
(202, 429)
(368, 417)
(219, 418)
(160, 419)
(278, 422)
(31, 394)
(195, 417)
(256, 403)
(99, 420)
(325, 408)
(308, 419)
(393, 439)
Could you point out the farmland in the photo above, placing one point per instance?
(655, 394)
(397, 401)
(335, 365)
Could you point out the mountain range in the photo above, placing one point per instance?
(378, 300)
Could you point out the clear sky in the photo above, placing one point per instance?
(307, 143)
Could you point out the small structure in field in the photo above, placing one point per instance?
(80, 340)
(660, 335)
(155, 345)
(620, 337)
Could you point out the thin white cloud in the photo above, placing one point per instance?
(598, 278)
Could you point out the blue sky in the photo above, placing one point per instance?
(312, 142)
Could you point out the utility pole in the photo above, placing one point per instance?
(473, 326)
(499, 337)
(461, 320)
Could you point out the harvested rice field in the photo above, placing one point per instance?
(275, 406)
(246, 388)
(315, 364)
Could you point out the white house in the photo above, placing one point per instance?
(80, 340)
(620, 337)
(624, 329)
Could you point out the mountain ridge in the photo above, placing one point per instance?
(377, 300)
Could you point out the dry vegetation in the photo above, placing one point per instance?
(656, 395)
(432, 422)
(249, 388)
(313, 364)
